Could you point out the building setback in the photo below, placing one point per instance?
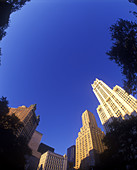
(89, 142)
(113, 103)
(29, 119)
(52, 161)
(71, 151)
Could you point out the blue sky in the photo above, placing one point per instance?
(53, 51)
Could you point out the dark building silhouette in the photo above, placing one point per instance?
(71, 151)
(44, 148)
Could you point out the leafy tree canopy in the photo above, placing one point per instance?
(124, 51)
(6, 8)
(16, 4)
(12, 148)
(133, 1)
(3, 106)
(121, 142)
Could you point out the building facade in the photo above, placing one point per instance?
(52, 161)
(71, 151)
(34, 143)
(116, 103)
(89, 142)
(29, 119)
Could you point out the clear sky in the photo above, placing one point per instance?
(52, 53)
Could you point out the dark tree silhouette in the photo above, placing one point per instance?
(3, 106)
(7, 7)
(124, 51)
(121, 142)
(16, 4)
(133, 1)
(13, 148)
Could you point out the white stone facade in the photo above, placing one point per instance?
(52, 161)
(113, 103)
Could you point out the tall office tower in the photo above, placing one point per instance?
(71, 151)
(52, 161)
(113, 103)
(89, 142)
(29, 119)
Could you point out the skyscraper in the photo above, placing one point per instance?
(29, 119)
(71, 152)
(113, 103)
(89, 142)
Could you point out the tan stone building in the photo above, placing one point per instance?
(89, 142)
(29, 119)
(52, 161)
(113, 103)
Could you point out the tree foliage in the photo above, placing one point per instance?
(121, 142)
(13, 148)
(124, 51)
(7, 7)
(16, 4)
(3, 106)
(133, 1)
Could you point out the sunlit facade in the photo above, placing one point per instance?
(113, 103)
(29, 119)
(89, 142)
(52, 161)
